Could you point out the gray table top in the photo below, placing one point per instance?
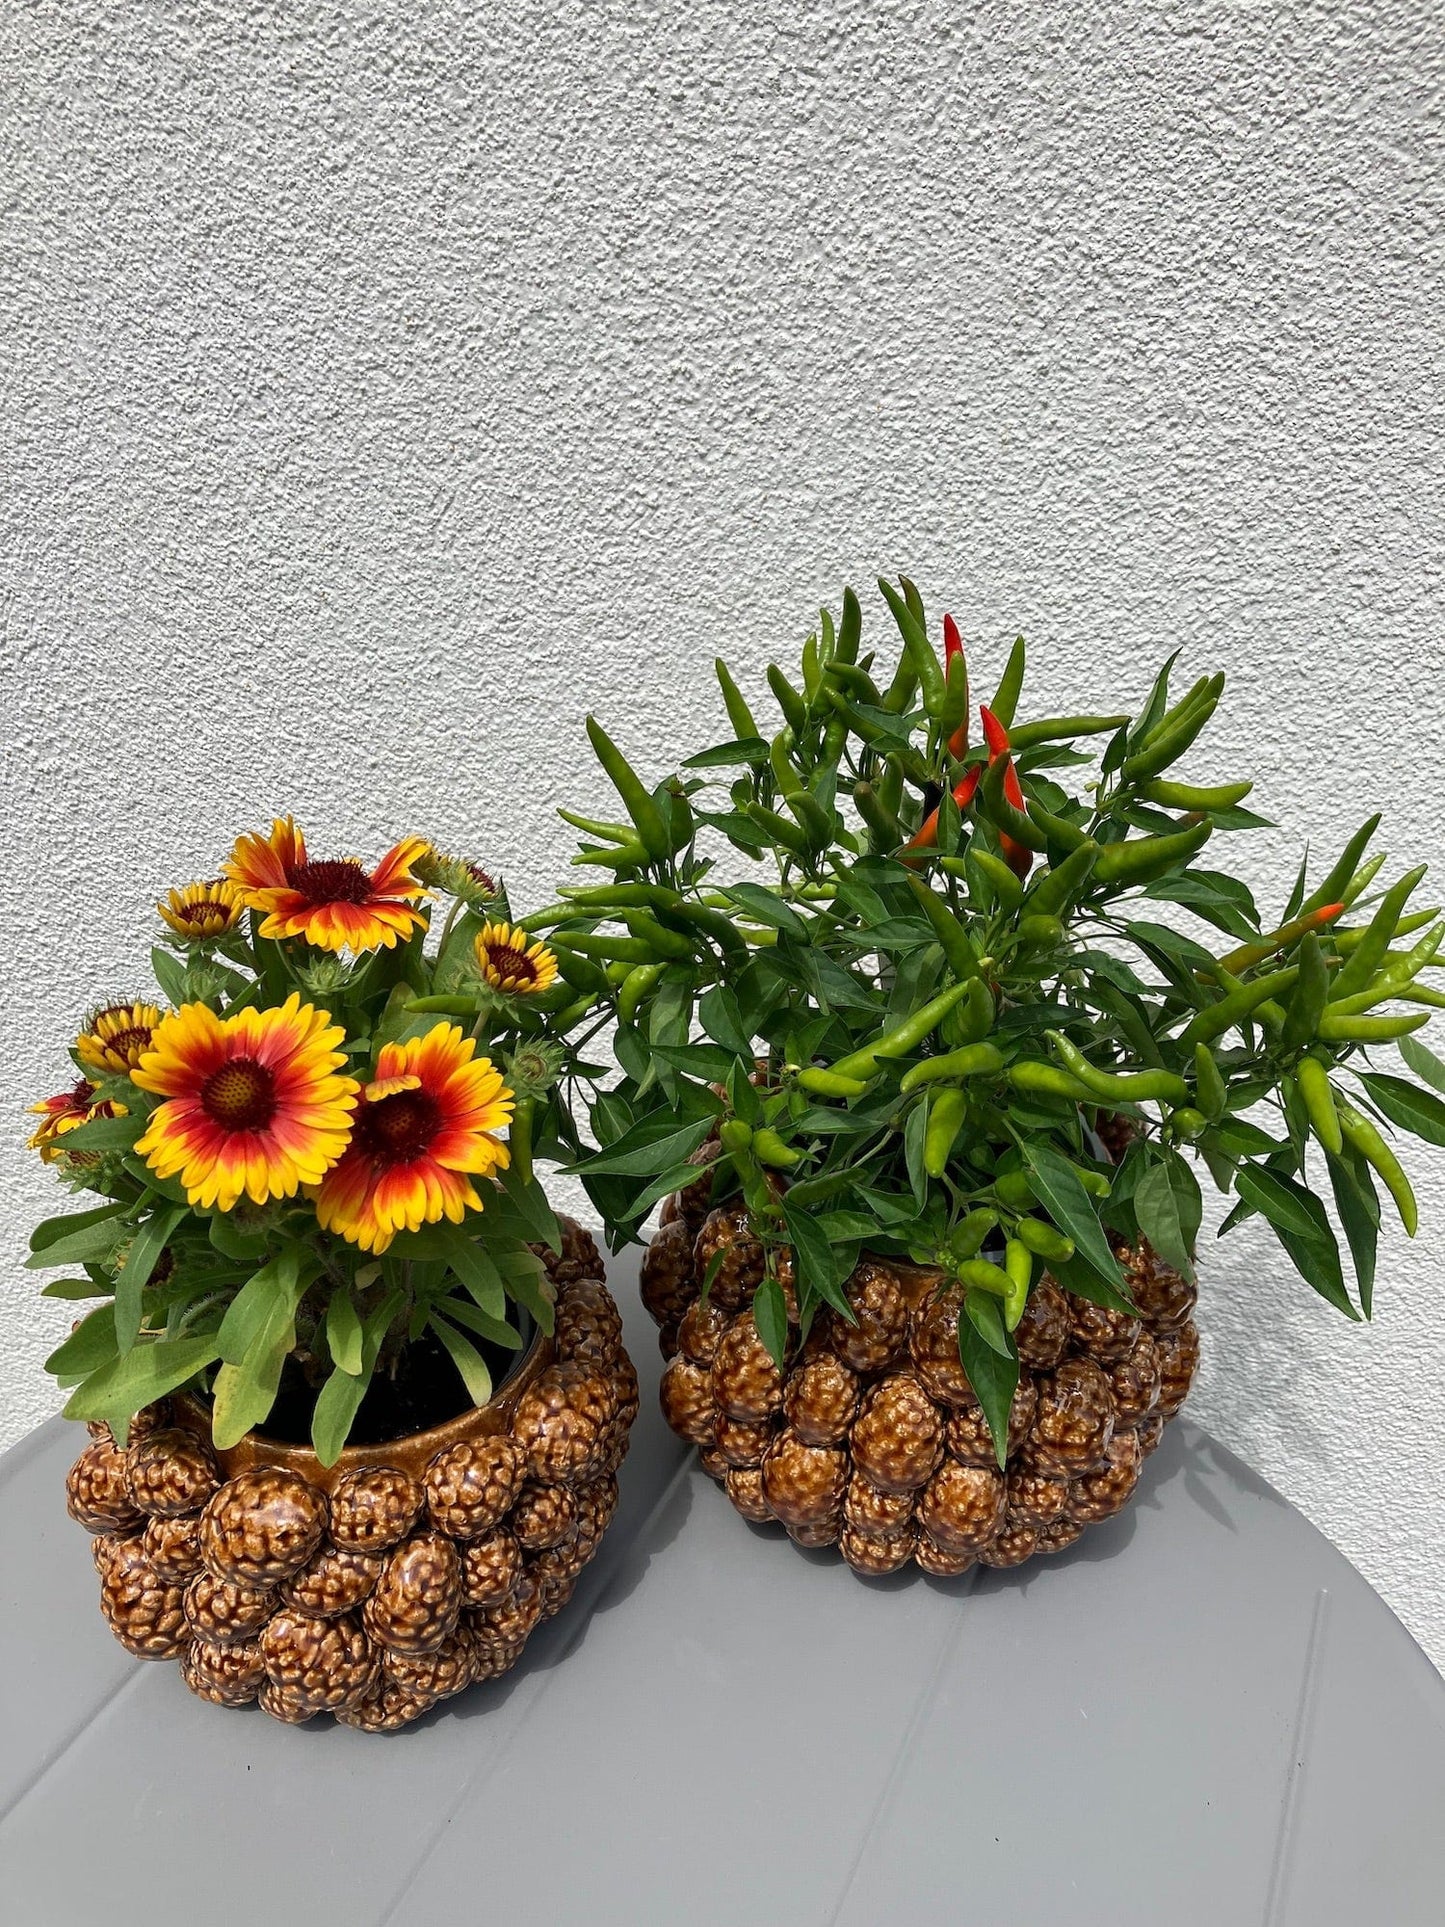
(1200, 1714)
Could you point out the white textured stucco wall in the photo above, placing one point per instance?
(386, 384)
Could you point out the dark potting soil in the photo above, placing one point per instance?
(426, 1390)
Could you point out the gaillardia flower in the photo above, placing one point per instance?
(203, 911)
(335, 904)
(67, 1112)
(510, 963)
(252, 1105)
(427, 1123)
(115, 1038)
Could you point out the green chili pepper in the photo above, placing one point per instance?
(712, 923)
(1133, 1087)
(1003, 814)
(1018, 1268)
(1361, 1133)
(1362, 879)
(607, 897)
(958, 949)
(850, 630)
(519, 1137)
(1187, 1122)
(1014, 1190)
(1006, 697)
(1348, 940)
(636, 800)
(903, 1037)
(443, 1006)
(1046, 1241)
(945, 1121)
(954, 706)
(1189, 796)
(919, 650)
(1368, 1030)
(1046, 1080)
(890, 783)
(1038, 932)
(632, 857)
(884, 830)
(795, 710)
(1053, 729)
(824, 1083)
(1058, 832)
(787, 778)
(1062, 884)
(1313, 1082)
(899, 693)
(1007, 888)
(815, 822)
(979, 1275)
(1307, 1000)
(970, 1232)
(1334, 885)
(739, 715)
(1176, 731)
(629, 950)
(972, 1020)
(1236, 1006)
(635, 986)
(852, 681)
(1146, 858)
(1209, 1086)
(1369, 954)
(971, 1060)
(611, 832)
(769, 1149)
(662, 943)
(812, 668)
(735, 1136)
(578, 971)
(784, 833)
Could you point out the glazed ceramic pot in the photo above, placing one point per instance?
(871, 1438)
(402, 1574)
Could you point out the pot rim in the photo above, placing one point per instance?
(412, 1452)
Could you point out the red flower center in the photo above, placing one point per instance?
(81, 1096)
(335, 880)
(515, 964)
(129, 1043)
(479, 875)
(240, 1095)
(396, 1129)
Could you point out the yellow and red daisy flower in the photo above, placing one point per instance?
(114, 1039)
(426, 1124)
(67, 1112)
(252, 1105)
(509, 963)
(203, 911)
(334, 903)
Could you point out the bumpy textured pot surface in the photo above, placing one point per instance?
(406, 1572)
(872, 1439)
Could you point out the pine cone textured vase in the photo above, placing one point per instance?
(871, 1437)
(396, 1578)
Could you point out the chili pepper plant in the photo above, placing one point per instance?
(311, 1143)
(987, 1000)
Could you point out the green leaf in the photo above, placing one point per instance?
(77, 1288)
(530, 1202)
(1056, 1185)
(53, 1230)
(530, 1290)
(766, 906)
(106, 1133)
(817, 1261)
(93, 1244)
(1298, 1220)
(1359, 1209)
(146, 1372)
(651, 1145)
(1075, 1275)
(343, 1331)
(467, 1359)
(770, 1315)
(275, 1284)
(1423, 1061)
(170, 974)
(720, 1016)
(1168, 1207)
(747, 749)
(462, 1311)
(1407, 1105)
(987, 1320)
(337, 1404)
(709, 1061)
(135, 1271)
(915, 1133)
(664, 1185)
(91, 1345)
(994, 1378)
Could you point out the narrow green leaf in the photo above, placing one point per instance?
(343, 1331)
(467, 1359)
(1167, 1216)
(1359, 1209)
(649, 1146)
(817, 1261)
(1422, 1061)
(531, 1291)
(987, 1319)
(462, 1311)
(145, 1373)
(1407, 1105)
(53, 1230)
(1299, 1222)
(994, 1379)
(1056, 1185)
(91, 1345)
(170, 974)
(135, 1272)
(770, 1314)
(337, 1404)
(93, 1244)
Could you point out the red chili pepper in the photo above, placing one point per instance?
(953, 646)
(1016, 855)
(926, 835)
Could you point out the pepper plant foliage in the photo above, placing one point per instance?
(948, 985)
(321, 1151)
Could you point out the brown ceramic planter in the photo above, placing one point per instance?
(404, 1573)
(871, 1437)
